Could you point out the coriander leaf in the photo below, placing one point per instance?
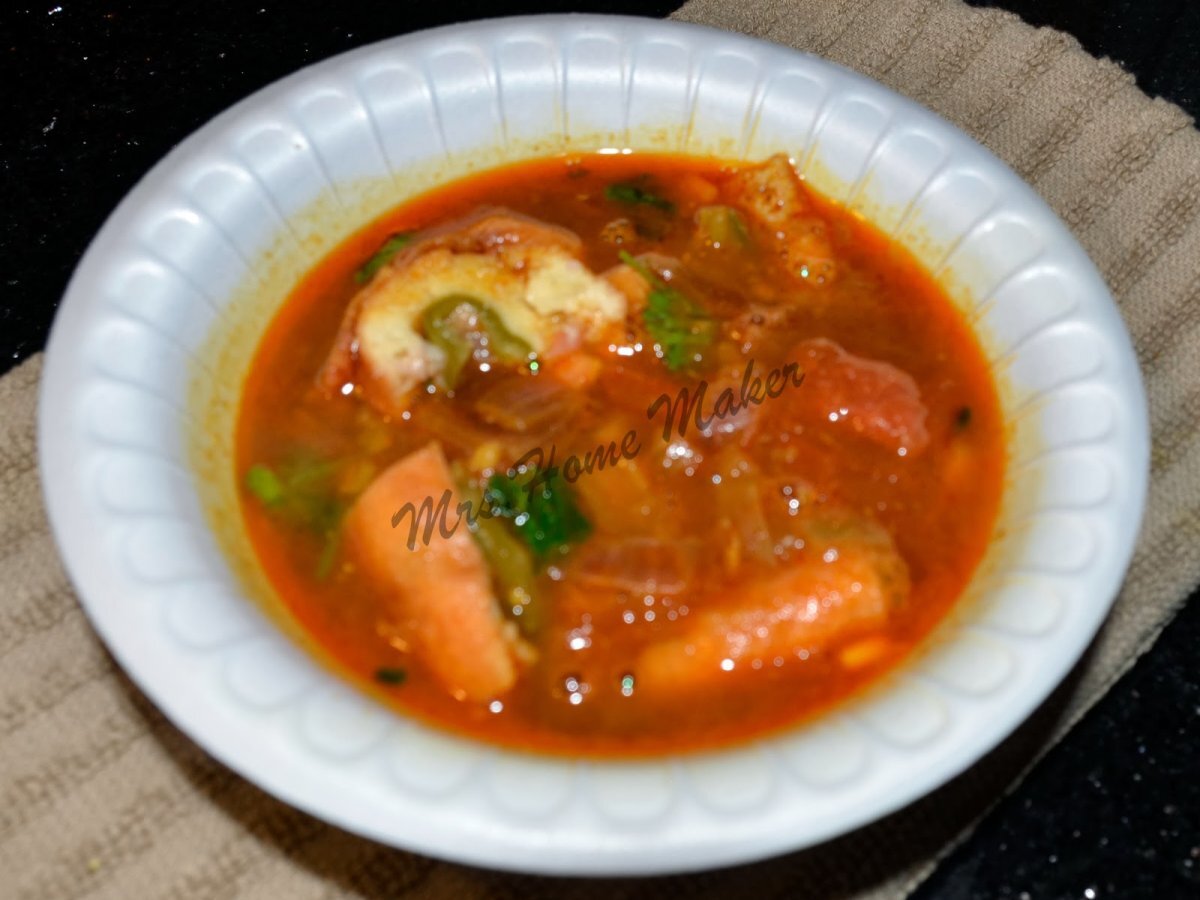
(680, 326)
(641, 268)
(625, 192)
(388, 675)
(300, 493)
(264, 484)
(541, 507)
(383, 255)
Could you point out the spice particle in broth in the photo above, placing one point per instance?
(619, 455)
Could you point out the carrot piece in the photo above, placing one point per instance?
(442, 585)
(810, 606)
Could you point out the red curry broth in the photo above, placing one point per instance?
(714, 503)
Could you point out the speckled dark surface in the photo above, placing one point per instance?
(93, 94)
(1114, 810)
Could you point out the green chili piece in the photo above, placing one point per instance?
(457, 335)
(722, 226)
(510, 561)
(383, 256)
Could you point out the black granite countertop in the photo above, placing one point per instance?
(95, 93)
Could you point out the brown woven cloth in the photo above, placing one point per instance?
(101, 797)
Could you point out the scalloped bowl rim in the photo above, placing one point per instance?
(705, 819)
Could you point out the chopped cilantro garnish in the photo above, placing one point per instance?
(264, 484)
(626, 192)
(541, 507)
(680, 326)
(300, 493)
(390, 676)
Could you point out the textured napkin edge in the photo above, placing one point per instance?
(823, 37)
(896, 881)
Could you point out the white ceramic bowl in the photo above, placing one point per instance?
(159, 321)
